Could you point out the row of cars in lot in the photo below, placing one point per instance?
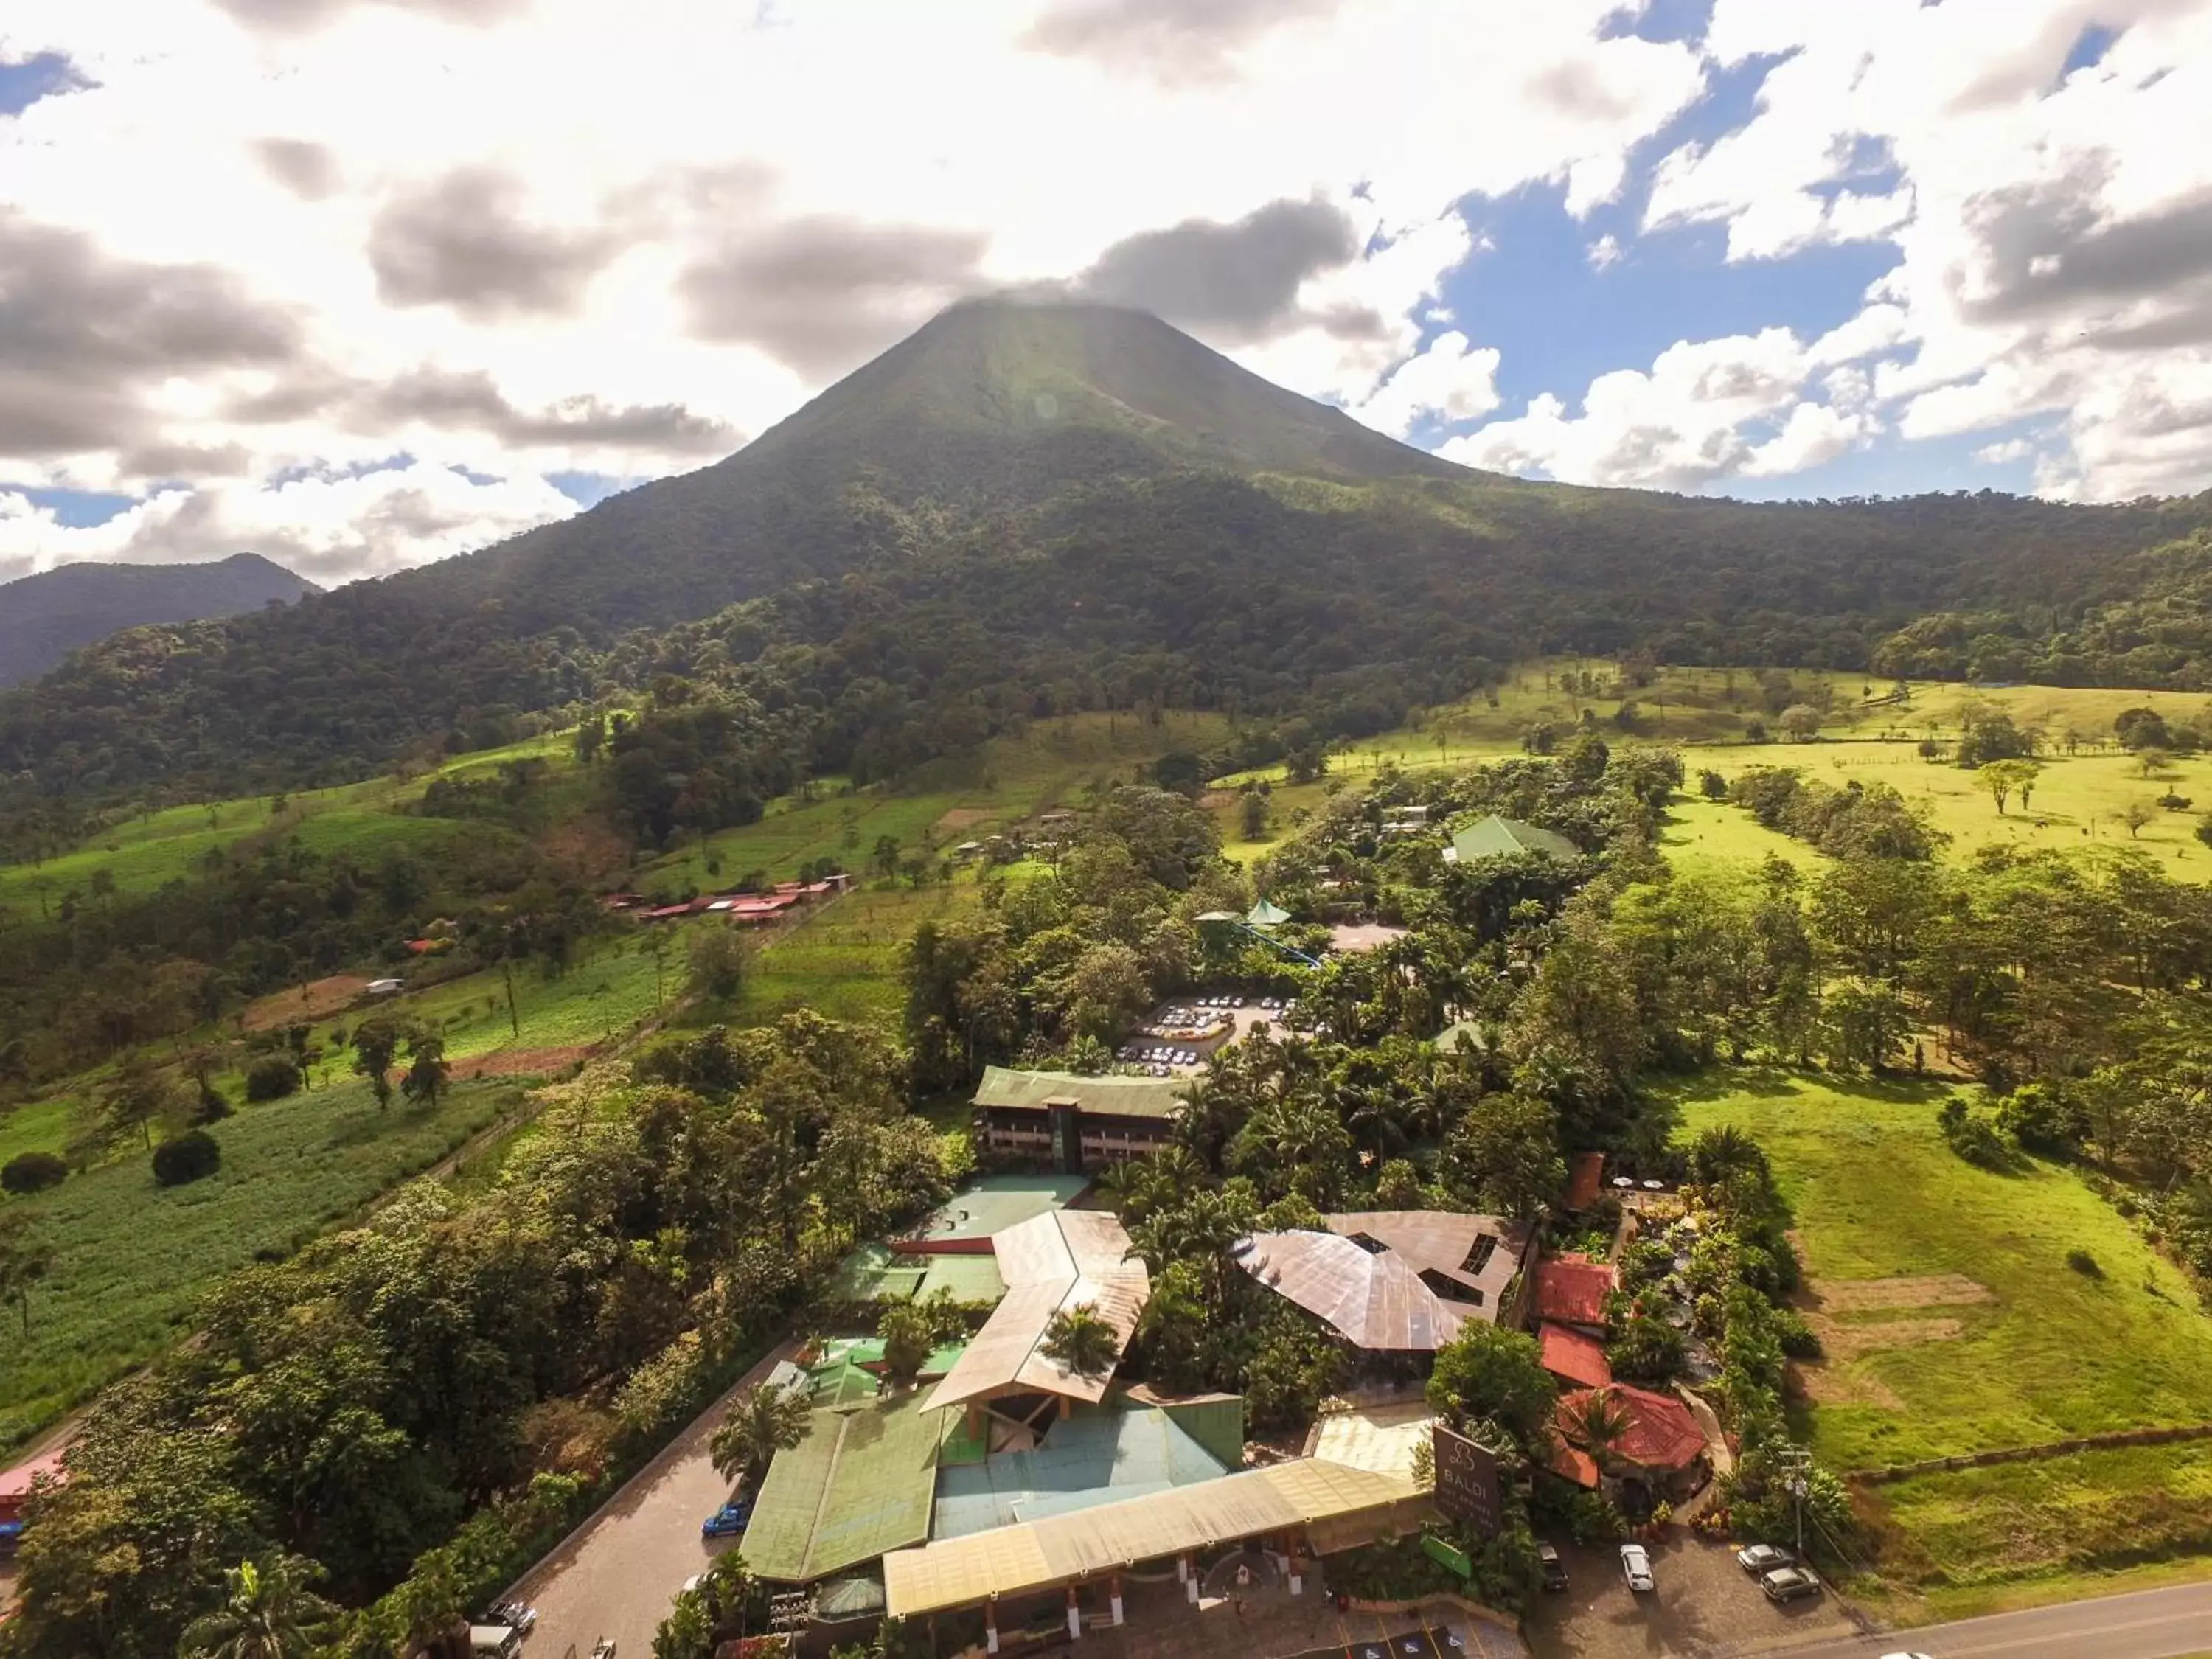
(1781, 1576)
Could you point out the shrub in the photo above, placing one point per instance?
(2083, 1263)
(32, 1172)
(190, 1157)
(210, 1106)
(272, 1077)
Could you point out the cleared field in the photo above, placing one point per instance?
(1971, 1541)
(133, 1256)
(2050, 1352)
(1703, 836)
(842, 960)
(944, 803)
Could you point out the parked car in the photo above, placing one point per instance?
(1636, 1567)
(520, 1614)
(728, 1521)
(494, 1641)
(1555, 1571)
(1757, 1558)
(1788, 1584)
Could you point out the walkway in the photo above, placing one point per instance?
(2157, 1624)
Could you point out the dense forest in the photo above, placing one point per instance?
(917, 559)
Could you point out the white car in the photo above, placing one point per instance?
(1904, 1656)
(1636, 1567)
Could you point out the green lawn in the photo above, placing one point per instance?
(1705, 836)
(2055, 1353)
(133, 1256)
(606, 992)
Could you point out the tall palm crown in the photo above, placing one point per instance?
(268, 1613)
(761, 1422)
(1082, 1340)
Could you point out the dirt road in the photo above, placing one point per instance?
(616, 1575)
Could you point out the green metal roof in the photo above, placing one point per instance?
(1264, 914)
(1496, 837)
(991, 1204)
(1104, 1096)
(862, 1482)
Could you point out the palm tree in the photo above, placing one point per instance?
(760, 1422)
(268, 1613)
(1080, 1339)
(1594, 1423)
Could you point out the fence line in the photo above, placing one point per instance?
(2031, 1454)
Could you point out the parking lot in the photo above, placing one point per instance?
(1178, 1038)
(1704, 1605)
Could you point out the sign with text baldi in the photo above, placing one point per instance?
(1466, 1479)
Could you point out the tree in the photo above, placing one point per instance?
(2136, 814)
(908, 1340)
(186, 1157)
(32, 1172)
(1712, 785)
(268, 1613)
(1594, 1423)
(1503, 1156)
(1081, 1339)
(272, 1076)
(1252, 816)
(428, 1070)
(2000, 779)
(1801, 722)
(719, 960)
(760, 1422)
(25, 1260)
(1488, 1374)
(140, 1097)
(374, 1043)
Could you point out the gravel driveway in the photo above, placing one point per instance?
(616, 1575)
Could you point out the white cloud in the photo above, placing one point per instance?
(2054, 229)
(1708, 411)
(1448, 381)
(2011, 449)
(1604, 252)
(328, 529)
(512, 190)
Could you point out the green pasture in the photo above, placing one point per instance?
(132, 1257)
(2056, 1353)
(841, 960)
(960, 798)
(1965, 1542)
(607, 990)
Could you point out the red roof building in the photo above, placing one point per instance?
(1583, 1180)
(1574, 1356)
(1572, 1289)
(1662, 1436)
(16, 1484)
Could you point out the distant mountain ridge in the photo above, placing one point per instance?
(46, 617)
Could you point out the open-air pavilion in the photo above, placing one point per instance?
(1297, 1510)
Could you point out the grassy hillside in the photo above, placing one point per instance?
(1953, 1319)
(133, 1256)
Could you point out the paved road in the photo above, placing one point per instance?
(616, 1575)
(2156, 1624)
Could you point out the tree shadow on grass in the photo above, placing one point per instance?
(1721, 1082)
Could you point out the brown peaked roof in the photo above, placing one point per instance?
(1570, 1354)
(1063, 1259)
(1572, 1289)
(1392, 1280)
(1661, 1433)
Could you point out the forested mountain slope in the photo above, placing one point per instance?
(1027, 507)
(44, 617)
